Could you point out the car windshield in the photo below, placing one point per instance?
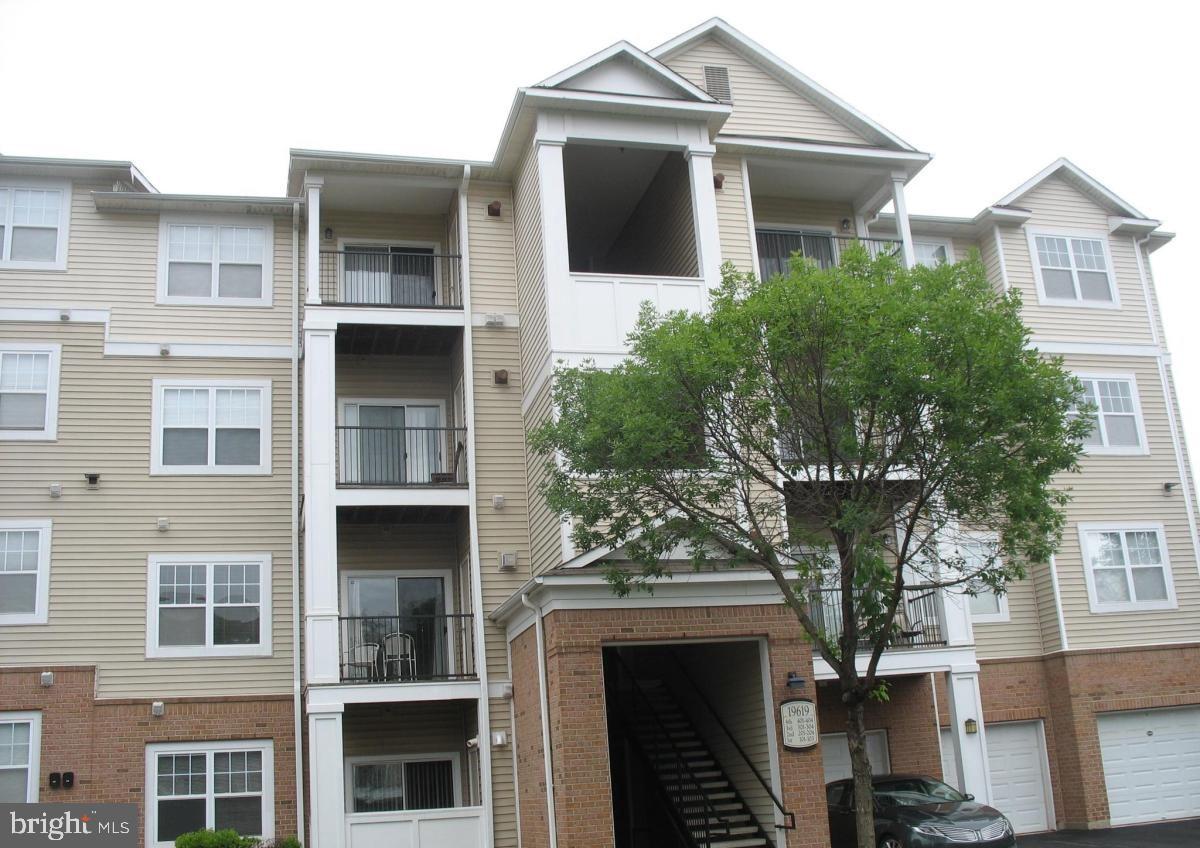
(915, 791)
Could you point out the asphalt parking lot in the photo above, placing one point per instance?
(1181, 834)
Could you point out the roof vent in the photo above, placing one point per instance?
(716, 83)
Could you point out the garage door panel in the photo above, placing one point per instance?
(1016, 762)
(1151, 764)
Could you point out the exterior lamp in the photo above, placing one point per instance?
(971, 726)
(795, 681)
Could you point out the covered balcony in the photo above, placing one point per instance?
(392, 275)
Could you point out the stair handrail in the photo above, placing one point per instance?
(788, 816)
(677, 820)
(680, 760)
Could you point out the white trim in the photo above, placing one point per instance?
(329, 317)
(1058, 604)
(769, 711)
(1001, 616)
(748, 202)
(645, 61)
(847, 153)
(264, 222)
(1000, 257)
(336, 696)
(265, 603)
(1143, 447)
(1031, 234)
(428, 495)
(49, 432)
(33, 777)
(1094, 348)
(157, 468)
(41, 608)
(451, 756)
(264, 746)
(63, 229)
(945, 243)
(1098, 607)
(1069, 166)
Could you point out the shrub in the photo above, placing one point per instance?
(214, 839)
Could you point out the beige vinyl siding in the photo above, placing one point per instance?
(659, 237)
(101, 539)
(396, 378)
(1021, 635)
(795, 212)
(504, 788)
(733, 223)
(1057, 204)
(1118, 489)
(545, 528)
(762, 104)
(990, 257)
(112, 263)
(384, 227)
(530, 269)
(401, 547)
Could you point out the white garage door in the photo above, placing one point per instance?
(835, 753)
(1017, 763)
(1151, 764)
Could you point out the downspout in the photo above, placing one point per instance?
(297, 700)
(547, 757)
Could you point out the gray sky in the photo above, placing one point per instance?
(209, 97)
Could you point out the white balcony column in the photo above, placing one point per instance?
(704, 215)
(326, 777)
(556, 260)
(902, 226)
(970, 749)
(320, 510)
(956, 618)
(312, 244)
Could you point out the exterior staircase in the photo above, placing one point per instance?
(706, 805)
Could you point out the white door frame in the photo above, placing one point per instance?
(344, 404)
(450, 601)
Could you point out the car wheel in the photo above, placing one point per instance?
(890, 842)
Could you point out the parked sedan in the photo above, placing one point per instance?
(912, 811)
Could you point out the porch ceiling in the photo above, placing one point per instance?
(816, 180)
(408, 340)
(398, 514)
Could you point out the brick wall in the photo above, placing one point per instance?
(529, 751)
(104, 742)
(907, 716)
(574, 643)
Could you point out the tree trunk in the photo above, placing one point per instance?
(860, 764)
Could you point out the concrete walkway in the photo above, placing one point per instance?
(1181, 834)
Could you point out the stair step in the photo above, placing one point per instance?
(712, 784)
(743, 830)
(748, 842)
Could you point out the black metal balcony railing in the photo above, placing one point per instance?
(402, 456)
(918, 617)
(396, 279)
(404, 648)
(775, 249)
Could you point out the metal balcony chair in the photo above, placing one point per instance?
(360, 662)
(400, 656)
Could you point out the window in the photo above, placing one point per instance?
(985, 605)
(33, 224)
(1073, 269)
(201, 427)
(214, 785)
(223, 261)
(1116, 415)
(775, 249)
(24, 571)
(207, 605)
(29, 391)
(932, 253)
(391, 783)
(20, 749)
(1126, 567)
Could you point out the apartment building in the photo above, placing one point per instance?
(467, 676)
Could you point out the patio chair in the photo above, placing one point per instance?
(359, 662)
(400, 656)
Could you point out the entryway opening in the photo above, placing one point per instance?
(689, 746)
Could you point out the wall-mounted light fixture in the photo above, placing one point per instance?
(164, 350)
(845, 225)
(329, 234)
(494, 209)
(47, 679)
(795, 681)
(718, 181)
(499, 738)
(1168, 488)
(64, 315)
(158, 708)
(93, 479)
(971, 726)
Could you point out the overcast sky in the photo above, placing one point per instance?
(208, 97)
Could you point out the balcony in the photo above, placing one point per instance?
(407, 648)
(401, 456)
(456, 827)
(777, 246)
(919, 618)
(390, 277)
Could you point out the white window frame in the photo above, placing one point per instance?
(49, 432)
(1001, 616)
(351, 762)
(160, 385)
(265, 746)
(264, 222)
(40, 614)
(34, 720)
(59, 263)
(1031, 235)
(944, 243)
(1143, 447)
(1098, 607)
(264, 646)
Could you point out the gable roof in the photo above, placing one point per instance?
(1077, 177)
(623, 51)
(754, 52)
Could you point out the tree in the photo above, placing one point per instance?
(844, 429)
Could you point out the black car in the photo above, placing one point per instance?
(912, 811)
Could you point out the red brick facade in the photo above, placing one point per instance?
(583, 791)
(104, 741)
